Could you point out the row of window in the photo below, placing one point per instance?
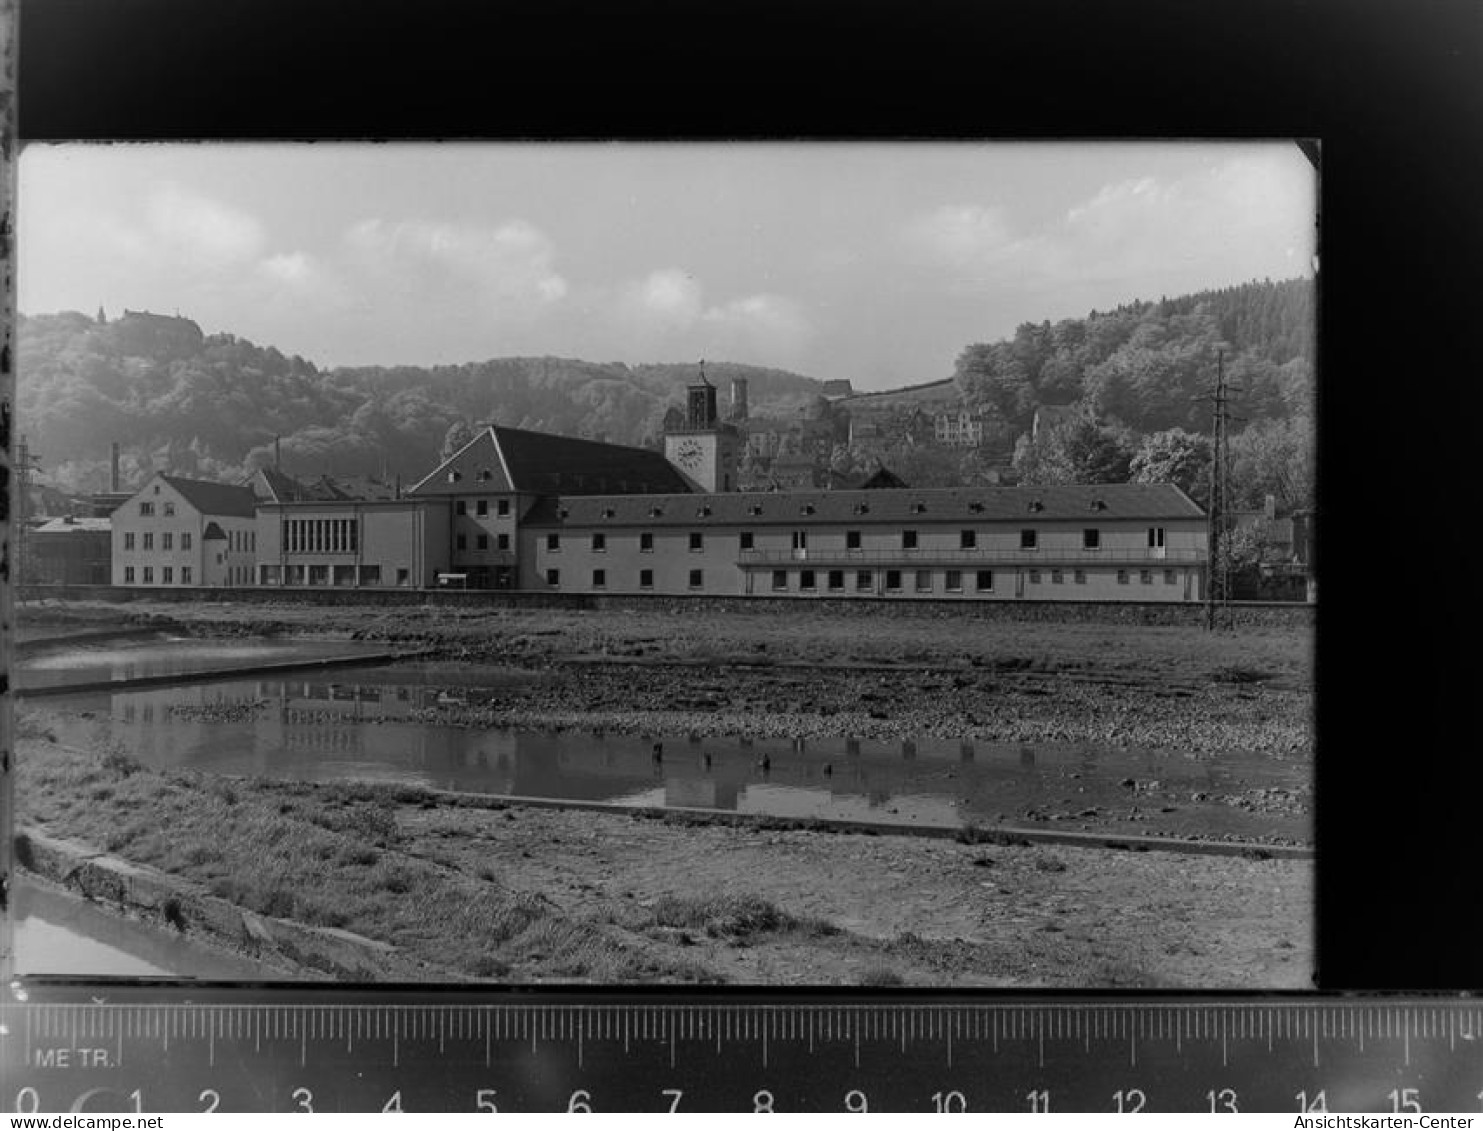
(1091, 539)
(167, 575)
(481, 541)
(147, 509)
(835, 580)
(242, 541)
(167, 540)
(481, 507)
(320, 535)
(236, 575)
(327, 574)
(864, 580)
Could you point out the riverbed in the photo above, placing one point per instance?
(392, 723)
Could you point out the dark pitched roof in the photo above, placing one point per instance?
(213, 532)
(513, 459)
(215, 498)
(881, 479)
(1074, 503)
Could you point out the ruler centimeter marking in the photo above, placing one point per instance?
(1396, 1037)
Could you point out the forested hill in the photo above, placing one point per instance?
(1148, 365)
(212, 405)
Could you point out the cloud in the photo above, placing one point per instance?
(664, 299)
(1245, 217)
(666, 313)
(961, 235)
(301, 282)
(509, 266)
(761, 325)
(205, 232)
(1242, 218)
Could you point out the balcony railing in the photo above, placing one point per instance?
(1046, 556)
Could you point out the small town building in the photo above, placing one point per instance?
(353, 543)
(175, 531)
(69, 551)
(491, 484)
(1110, 542)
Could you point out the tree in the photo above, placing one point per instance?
(1273, 457)
(1174, 456)
(459, 433)
(992, 375)
(1081, 450)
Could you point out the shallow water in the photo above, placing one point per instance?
(169, 654)
(367, 724)
(57, 933)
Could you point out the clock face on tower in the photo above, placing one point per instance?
(689, 454)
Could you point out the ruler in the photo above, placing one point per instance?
(148, 1048)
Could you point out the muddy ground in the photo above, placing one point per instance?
(755, 905)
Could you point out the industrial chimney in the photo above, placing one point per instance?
(113, 484)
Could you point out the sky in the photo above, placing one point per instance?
(875, 262)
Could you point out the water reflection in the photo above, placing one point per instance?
(59, 933)
(385, 724)
(166, 654)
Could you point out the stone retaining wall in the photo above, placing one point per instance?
(1266, 614)
(301, 951)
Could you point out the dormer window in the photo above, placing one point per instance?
(807, 508)
(608, 512)
(702, 512)
(755, 510)
(454, 476)
(1098, 505)
(1036, 505)
(655, 512)
(485, 475)
(976, 507)
(563, 512)
(918, 508)
(862, 508)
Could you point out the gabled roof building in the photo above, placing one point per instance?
(176, 531)
(1135, 542)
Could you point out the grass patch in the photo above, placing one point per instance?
(734, 918)
(329, 857)
(881, 976)
(115, 761)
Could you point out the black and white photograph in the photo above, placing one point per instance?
(849, 564)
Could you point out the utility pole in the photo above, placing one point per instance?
(24, 464)
(1217, 513)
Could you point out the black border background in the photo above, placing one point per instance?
(1393, 90)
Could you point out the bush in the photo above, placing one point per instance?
(116, 761)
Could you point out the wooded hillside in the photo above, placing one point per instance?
(1137, 379)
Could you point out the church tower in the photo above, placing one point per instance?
(704, 449)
